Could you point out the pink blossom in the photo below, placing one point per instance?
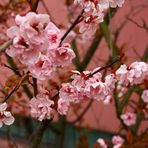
(41, 107)
(32, 28)
(63, 106)
(61, 56)
(128, 118)
(68, 93)
(42, 69)
(144, 96)
(121, 74)
(110, 81)
(87, 5)
(90, 24)
(20, 48)
(96, 90)
(117, 141)
(79, 80)
(102, 143)
(54, 35)
(137, 72)
(5, 116)
(134, 74)
(107, 100)
(105, 4)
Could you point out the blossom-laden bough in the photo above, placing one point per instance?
(39, 45)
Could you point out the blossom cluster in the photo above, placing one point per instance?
(134, 74)
(41, 107)
(84, 86)
(117, 142)
(5, 116)
(94, 14)
(35, 42)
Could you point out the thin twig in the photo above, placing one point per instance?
(35, 87)
(35, 5)
(105, 67)
(72, 26)
(4, 46)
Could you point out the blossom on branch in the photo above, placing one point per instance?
(117, 141)
(128, 118)
(5, 116)
(41, 107)
(144, 96)
(134, 74)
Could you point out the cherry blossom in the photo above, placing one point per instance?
(5, 116)
(137, 72)
(68, 93)
(102, 143)
(61, 56)
(128, 118)
(54, 35)
(32, 28)
(63, 106)
(122, 73)
(40, 107)
(105, 4)
(110, 81)
(144, 96)
(117, 141)
(42, 69)
(134, 74)
(90, 22)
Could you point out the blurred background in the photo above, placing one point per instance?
(87, 121)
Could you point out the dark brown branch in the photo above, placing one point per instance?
(138, 25)
(35, 5)
(72, 26)
(10, 94)
(14, 70)
(35, 87)
(105, 67)
(39, 134)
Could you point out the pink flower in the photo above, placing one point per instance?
(137, 72)
(32, 28)
(5, 116)
(134, 74)
(128, 118)
(121, 74)
(61, 56)
(21, 48)
(41, 107)
(63, 106)
(96, 90)
(110, 81)
(42, 69)
(54, 35)
(117, 141)
(102, 143)
(107, 100)
(105, 4)
(90, 24)
(145, 96)
(79, 79)
(68, 93)
(87, 4)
